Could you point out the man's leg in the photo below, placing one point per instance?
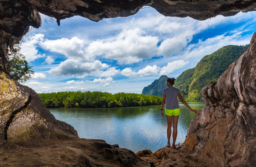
(169, 129)
(175, 125)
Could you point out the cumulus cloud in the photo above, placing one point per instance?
(38, 75)
(103, 81)
(155, 70)
(109, 72)
(75, 68)
(172, 66)
(74, 82)
(128, 72)
(106, 84)
(34, 83)
(72, 48)
(130, 46)
(172, 46)
(149, 70)
(49, 60)
(167, 27)
(29, 47)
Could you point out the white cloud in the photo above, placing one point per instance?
(155, 70)
(130, 46)
(49, 60)
(106, 84)
(74, 82)
(109, 72)
(102, 81)
(29, 47)
(38, 75)
(149, 70)
(70, 82)
(128, 72)
(75, 68)
(72, 48)
(168, 27)
(172, 66)
(210, 45)
(34, 83)
(172, 46)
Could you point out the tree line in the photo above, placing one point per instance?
(97, 99)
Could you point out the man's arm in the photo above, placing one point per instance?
(185, 103)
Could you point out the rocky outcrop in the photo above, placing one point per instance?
(23, 116)
(17, 15)
(224, 132)
(71, 152)
(166, 157)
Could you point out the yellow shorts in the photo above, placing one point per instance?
(173, 112)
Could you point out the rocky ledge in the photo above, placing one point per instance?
(69, 152)
(23, 117)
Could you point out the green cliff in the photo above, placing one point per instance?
(191, 81)
(156, 88)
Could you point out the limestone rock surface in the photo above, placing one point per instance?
(70, 153)
(166, 157)
(23, 116)
(224, 132)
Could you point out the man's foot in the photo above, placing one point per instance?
(173, 146)
(168, 145)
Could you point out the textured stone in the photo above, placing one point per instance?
(73, 152)
(23, 117)
(166, 157)
(224, 132)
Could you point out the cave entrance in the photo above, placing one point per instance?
(115, 53)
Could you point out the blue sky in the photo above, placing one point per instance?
(125, 54)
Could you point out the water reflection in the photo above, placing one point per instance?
(135, 128)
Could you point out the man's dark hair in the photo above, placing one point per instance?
(171, 80)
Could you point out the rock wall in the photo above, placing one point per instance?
(24, 118)
(224, 132)
(17, 15)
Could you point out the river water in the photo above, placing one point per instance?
(134, 128)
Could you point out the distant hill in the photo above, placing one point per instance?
(156, 88)
(209, 69)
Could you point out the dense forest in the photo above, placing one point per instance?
(209, 69)
(97, 99)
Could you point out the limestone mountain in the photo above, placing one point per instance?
(209, 69)
(156, 87)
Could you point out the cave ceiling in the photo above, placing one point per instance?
(17, 15)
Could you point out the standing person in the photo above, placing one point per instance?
(172, 109)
